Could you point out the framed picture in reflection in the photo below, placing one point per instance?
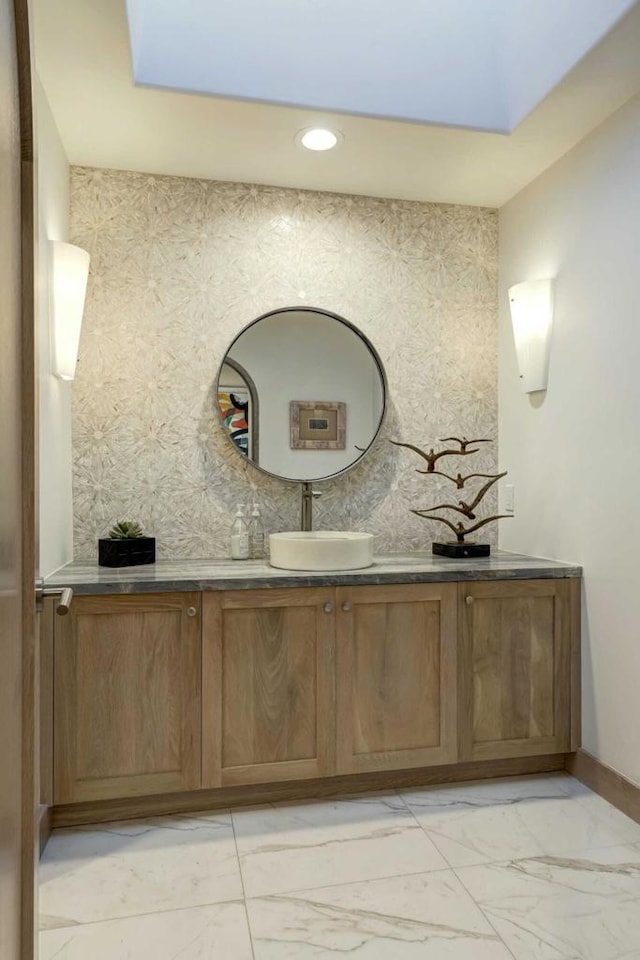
(318, 424)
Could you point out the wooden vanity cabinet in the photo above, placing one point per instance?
(127, 680)
(515, 667)
(174, 692)
(268, 685)
(396, 676)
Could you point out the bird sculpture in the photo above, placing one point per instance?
(467, 508)
(431, 457)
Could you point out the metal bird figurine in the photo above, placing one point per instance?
(458, 548)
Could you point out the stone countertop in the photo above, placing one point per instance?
(87, 578)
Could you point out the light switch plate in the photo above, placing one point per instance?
(509, 498)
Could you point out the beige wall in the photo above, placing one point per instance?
(575, 458)
(56, 515)
(180, 266)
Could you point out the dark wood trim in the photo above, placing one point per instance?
(22, 16)
(74, 814)
(28, 400)
(575, 612)
(615, 788)
(30, 620)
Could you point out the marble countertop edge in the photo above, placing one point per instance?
(87, 578)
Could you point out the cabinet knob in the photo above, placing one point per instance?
(191, 611)
(346, 606)
(328, 608)
(468, 601)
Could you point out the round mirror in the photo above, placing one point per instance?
(301, 393)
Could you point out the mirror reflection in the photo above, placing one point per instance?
(301, 393)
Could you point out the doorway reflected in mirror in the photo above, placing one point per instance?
(238, 408)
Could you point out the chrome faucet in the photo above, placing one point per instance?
(306, 506)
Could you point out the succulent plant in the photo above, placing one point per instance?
(126, 530)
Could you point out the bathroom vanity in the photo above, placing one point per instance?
(192, 684)
(187, 685)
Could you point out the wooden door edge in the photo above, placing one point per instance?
(45, 819)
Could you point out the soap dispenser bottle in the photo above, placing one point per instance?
(256, 535)
(239, 536)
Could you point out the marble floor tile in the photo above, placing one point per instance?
(427, 916)
(217, 932)
(605, 812)
(138, 866)
(585, 907)
(291, 846)
(518, 817)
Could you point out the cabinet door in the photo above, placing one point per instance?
(396, 676)
(514, 668)
(127, 696)
(268, 687)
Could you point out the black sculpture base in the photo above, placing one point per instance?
(126, 553)
(456, 550)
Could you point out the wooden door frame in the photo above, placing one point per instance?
(28, 403)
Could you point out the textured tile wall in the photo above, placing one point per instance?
(179, 266)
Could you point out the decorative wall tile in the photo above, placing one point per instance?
(180, 266)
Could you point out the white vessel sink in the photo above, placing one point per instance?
(321, 550)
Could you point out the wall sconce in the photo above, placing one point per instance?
(69, 274)
(531, 306)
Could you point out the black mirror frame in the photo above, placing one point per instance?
(376, 357)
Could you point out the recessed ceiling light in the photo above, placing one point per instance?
(318, 138)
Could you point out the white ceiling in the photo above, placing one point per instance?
(83, 59)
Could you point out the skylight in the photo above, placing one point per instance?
(479, 64)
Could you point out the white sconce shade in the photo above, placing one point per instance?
(531, 305)
(69, 274)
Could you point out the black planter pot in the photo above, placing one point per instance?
(460, 550)
(126, 553)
